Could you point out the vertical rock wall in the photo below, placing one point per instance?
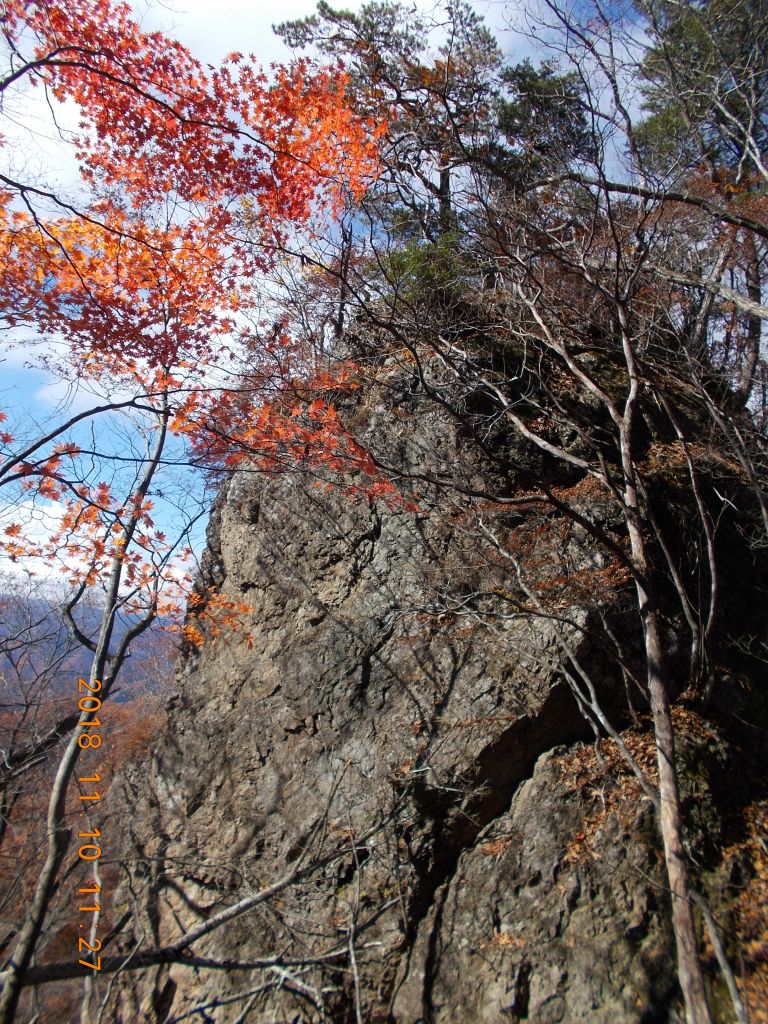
(398, 769)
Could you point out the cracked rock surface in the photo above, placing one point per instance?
(377, 760)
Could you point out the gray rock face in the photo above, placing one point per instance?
(521, 932)
(375, 760)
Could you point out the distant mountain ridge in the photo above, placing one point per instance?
(35, 645)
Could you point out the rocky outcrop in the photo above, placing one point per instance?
(386, 762)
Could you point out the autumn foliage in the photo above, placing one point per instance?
(192, 178)
(141, 282)
(156, 122)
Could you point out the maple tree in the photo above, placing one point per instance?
(191, 176)
(147, 277)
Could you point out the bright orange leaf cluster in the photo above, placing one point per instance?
(122, 291)
(191, 178)
(156, 121)
(193, 173)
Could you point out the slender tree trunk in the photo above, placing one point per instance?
(58, 843)
(346, 254)
(444, 201)
(688, 963)
(58, 835)
(689, 969)
(754, 323)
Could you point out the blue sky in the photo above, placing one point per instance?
(35, 149)
(210, 30)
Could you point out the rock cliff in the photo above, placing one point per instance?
(386, 764)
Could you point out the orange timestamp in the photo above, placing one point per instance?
(89, 705)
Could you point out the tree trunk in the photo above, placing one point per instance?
(688, 963)
(444, 202)
(689, 970)
(751, 351)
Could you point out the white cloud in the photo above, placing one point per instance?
(212, 30)
(39, 520)
(71, 397)
(17, 346)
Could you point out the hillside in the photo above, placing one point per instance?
(460, 351)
